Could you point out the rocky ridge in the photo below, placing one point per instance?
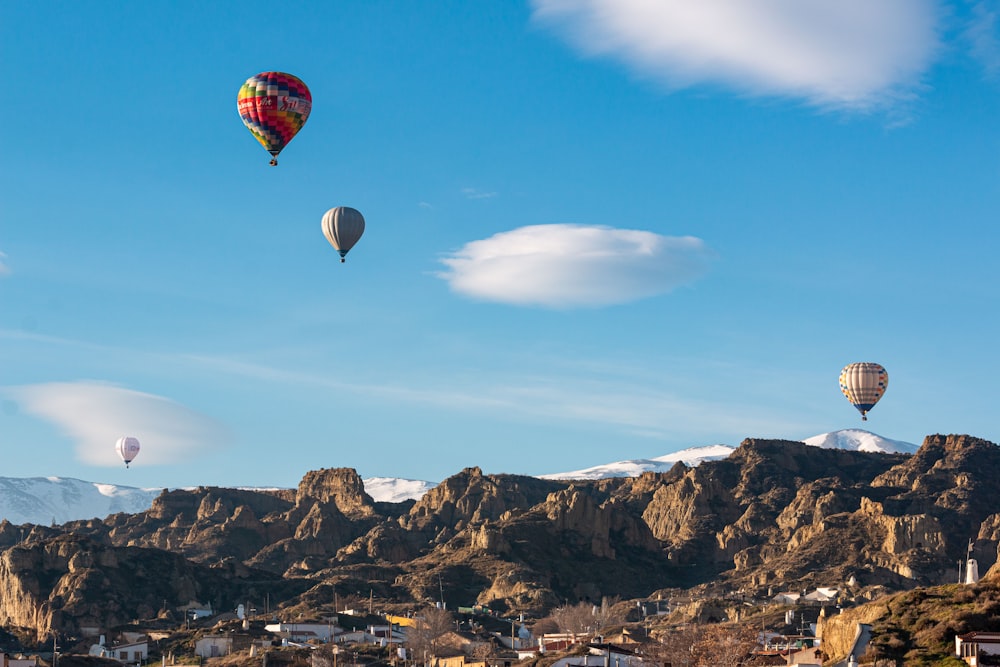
(775, 514)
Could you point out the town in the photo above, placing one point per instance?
(786, 628)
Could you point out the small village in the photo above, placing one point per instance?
(785, 629)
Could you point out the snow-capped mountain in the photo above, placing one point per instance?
(45, 500)
(852, 439)
(635, 467)
(861, 441)
(395, 490)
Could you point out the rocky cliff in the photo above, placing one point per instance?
(775, 514)
(68, 582)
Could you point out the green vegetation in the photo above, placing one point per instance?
(921, 625)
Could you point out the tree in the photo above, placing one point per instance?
(432, 624)
(577, 619)
(675, 647)
(722, 645)
(545, 626)
(607, 614)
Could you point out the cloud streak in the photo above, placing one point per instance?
(571, 266)
(636, 406)
(851, 54)
(983, 34)
(4, 269)
(475, 193)
(95, 415)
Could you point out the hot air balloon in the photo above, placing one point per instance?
(127, 448)
(342, 227)
(863, 383)
(274, 106)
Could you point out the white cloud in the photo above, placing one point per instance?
(95, 415)
(475, 193)
(853, 54)
(4, 269)
(983, 33)
(565, 266)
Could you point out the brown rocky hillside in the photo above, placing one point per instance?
(775, 515)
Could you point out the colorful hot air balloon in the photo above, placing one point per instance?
(274, 106)
(127, 448)
(342, 227)
(863, 384)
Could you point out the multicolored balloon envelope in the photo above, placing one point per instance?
(274, 106)
(342, 227)
(863, 384)
(127, 448)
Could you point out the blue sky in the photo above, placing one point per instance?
(596, 230)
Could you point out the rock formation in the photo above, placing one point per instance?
(774, 514)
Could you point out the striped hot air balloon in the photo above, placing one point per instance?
(863, 383)
(274, 106)
(342, 227)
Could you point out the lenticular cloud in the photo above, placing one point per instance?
(571, 266)
(840, 53)
(95, 414)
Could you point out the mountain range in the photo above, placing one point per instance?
(773, 515)
(56, 500)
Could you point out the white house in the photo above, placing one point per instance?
(355, 637)
(822, 594)
(213, 646)
(135, 652)
(303, 632)
(970, 646)
(384, 634)
(521, 641)
(807, 657)
(601, 655)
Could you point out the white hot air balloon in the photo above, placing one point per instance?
(342, 227)
(127, 448)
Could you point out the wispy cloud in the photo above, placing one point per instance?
(568, 266)
(475, 193)
(96, 414)
(853, 54)
(607, 396)
(983, 34)
(4, 269)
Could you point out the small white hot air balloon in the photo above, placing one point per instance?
(127, 448)
(342, 227)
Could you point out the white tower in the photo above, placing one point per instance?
(971, 571)
(971, 567)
